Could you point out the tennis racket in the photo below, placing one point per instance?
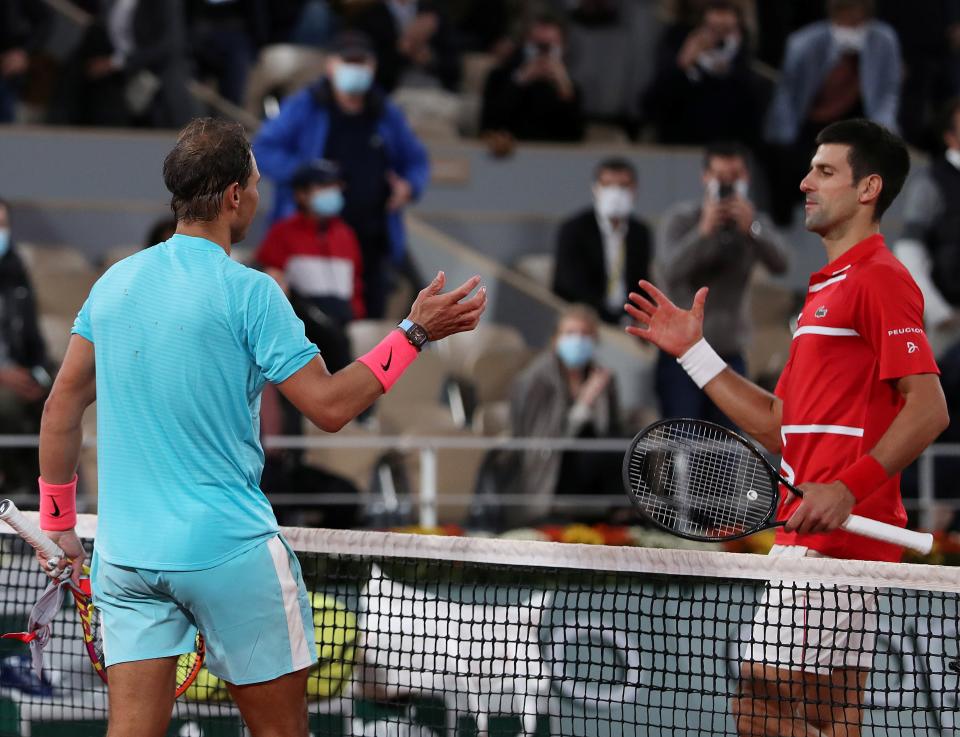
(188, 665)
(704, 482)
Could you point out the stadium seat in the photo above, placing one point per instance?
(492, 419)
(365, 334)
(354, 464)
(280, 70)
(538, 267)
(461, 349)
(55, 330)
(62, 278)
(493, 371)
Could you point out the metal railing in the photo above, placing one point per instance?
(428, 448)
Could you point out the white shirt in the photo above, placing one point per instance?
(614, 258)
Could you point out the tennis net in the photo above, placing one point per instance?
(420, 636)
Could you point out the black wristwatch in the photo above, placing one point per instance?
(415, 333)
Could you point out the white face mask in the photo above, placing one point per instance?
(953, 156)
(849, 39)
(718, 59)
(613, 202)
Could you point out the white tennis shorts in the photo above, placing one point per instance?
(810, 627)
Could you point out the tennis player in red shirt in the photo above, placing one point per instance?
(858, 401)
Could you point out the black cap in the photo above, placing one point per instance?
(353, 46)
(319, 172)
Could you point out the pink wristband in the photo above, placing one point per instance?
(58, 505)
(390, 358)
(864, 477)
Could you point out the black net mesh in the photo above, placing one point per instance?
(426, 646)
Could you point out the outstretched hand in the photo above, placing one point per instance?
(660, 321)
(443, 314)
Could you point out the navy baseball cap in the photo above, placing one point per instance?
(319, 172)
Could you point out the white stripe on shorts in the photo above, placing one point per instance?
(300, 655)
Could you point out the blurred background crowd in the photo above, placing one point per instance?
(681, 127)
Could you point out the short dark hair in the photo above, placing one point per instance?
(615, 163)
(873, 150)
(838, 6)
(548, 18)
(209, 156)
(725, 150)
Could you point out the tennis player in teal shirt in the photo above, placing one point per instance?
(176, 344)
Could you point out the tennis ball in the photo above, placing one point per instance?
(206, 687)
(335, 630)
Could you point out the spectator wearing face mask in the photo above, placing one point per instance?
(603, 251)
(384, 167)
(716, 243)
(566, 393)
(415, 43)
(24, 380)
(705, 88)
(313, 254)
(530, 97)
(844, 67)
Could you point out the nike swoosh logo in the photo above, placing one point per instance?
(56, 509)
(386, 366)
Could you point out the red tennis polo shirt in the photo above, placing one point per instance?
(861, 329)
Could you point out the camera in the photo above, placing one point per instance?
(724, 191)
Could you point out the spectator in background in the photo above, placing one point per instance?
(929, 36)
(24, 26)
(930, 243)
(132, 66)
(224, 38)
(315, 258)
(847, 66)
(483, 25)
(715, 242)
(531, 97)
(162, 230)
(345, 119)
(603, 251)
(24, 380)
(414, 41)
(566, 393)
(705, 89)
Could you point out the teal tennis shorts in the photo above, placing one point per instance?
(253, 611)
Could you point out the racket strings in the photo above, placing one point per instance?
(694, 479)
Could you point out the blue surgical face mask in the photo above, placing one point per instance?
(352, 79)
(575, 349)
(4, 241)
(326, 202)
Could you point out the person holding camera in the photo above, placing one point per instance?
(714, 243)
(530, 97)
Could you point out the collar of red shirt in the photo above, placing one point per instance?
(848, 258)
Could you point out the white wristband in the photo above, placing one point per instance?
(702, 363)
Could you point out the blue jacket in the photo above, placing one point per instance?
(299, 134)
(811, 54)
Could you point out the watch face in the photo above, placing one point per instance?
(417, 335)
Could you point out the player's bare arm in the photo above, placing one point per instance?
(922, 418)
(61, 433)
(675, 330)
(330, 401)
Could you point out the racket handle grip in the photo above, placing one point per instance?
(28, 530)
(922, 542)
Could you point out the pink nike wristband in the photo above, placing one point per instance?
(864, 477)
(390, 358)
(58, 505)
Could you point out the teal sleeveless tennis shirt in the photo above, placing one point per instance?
(185, 339)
